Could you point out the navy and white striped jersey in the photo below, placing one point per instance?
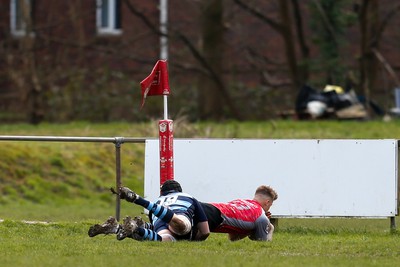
(180, 203)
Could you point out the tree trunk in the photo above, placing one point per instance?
(289, 42)
(32, 84)
(369, 21)
(303, 67)
(211, 100)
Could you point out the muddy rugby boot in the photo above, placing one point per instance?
(127, 229)
(127, 194)
(141, 223)
(108, 227)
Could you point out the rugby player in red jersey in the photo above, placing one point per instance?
(243, 217)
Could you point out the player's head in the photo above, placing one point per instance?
(267, 191)
(170, 186)
(265, 195)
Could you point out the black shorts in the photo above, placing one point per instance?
(213, 215)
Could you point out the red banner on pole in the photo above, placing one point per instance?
(157, 82)
(166, 136)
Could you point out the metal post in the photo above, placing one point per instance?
(164, 29)
(118, 142)
(392, 223)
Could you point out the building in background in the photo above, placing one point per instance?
(67, 60)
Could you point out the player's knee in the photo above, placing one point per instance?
(168, 237)
(181, 225)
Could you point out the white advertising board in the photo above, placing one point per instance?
(316, 178)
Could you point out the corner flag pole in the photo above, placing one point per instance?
(157, 84)
(166, 135)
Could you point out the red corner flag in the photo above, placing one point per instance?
(157, 82)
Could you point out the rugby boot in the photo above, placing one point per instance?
(141, 223)
(127, 194)
(108, 227)
(127, 229)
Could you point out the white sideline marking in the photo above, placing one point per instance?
(30, 222)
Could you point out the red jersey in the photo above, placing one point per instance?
(243, 216)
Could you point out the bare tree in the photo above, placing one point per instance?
(285, 28)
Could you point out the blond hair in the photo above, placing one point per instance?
(267, 191)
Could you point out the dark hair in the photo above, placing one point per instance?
(170, 186)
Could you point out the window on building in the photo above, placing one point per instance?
(109, 16)
(21, 17)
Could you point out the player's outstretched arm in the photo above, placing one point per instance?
(270, 232)
(202, 231)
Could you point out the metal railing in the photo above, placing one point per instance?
(118, 141)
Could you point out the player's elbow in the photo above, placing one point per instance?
(204, 236)
(201, 236)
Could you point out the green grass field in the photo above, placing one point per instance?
(67, 244)
(67, 186)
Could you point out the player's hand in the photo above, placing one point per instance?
(268, 214)
(125, 193)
